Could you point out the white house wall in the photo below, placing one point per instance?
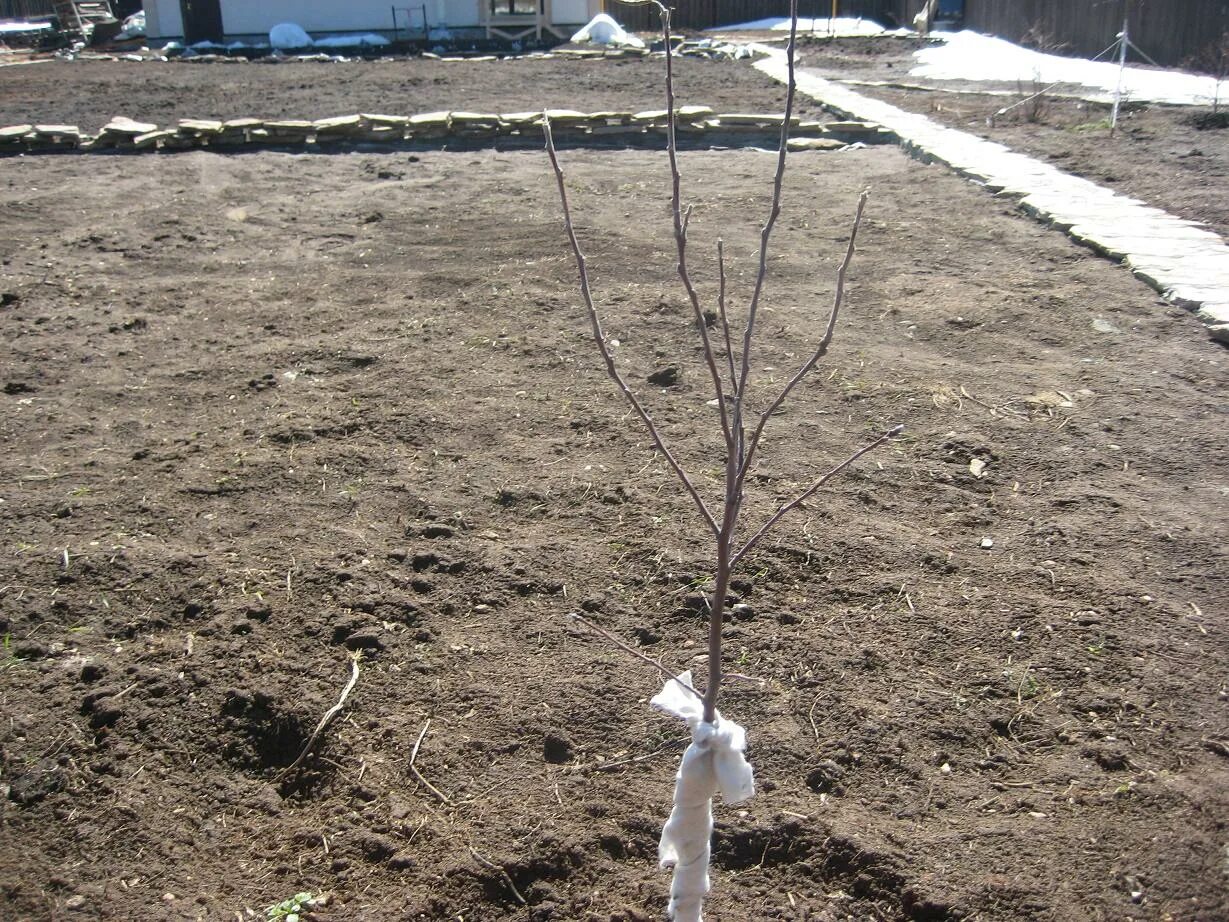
(242, 17)
(163, 19)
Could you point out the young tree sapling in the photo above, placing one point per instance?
(715, 759)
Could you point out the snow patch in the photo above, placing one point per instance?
(287, 35)
(14, 26)
(366, 39)
(837, 26)
(972, 56)
(603, 30)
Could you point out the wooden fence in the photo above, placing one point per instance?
(704, 14)
(1168, 31)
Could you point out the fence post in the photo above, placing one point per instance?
(1123, 41)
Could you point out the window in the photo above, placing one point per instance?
(515, 7)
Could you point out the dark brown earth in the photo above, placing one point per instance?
(1159, 154)
(90, 93)
(263, 410)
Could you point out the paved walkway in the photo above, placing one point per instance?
(1188, 264)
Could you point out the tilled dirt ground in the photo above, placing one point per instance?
(90, 93)
(265, 410)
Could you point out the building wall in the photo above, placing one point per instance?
(43, 9)
(163, 19)
(242, 17)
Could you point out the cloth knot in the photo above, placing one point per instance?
(725, 740)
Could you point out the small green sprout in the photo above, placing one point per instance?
(290, 910)
(8, 659)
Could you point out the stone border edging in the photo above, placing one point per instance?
(695, 123)
(1185, 262)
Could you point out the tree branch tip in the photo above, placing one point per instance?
(896, 431)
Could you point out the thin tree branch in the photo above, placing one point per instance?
(600, 338)
(632, 650)
(681, 221)
(820, 351)
(634, 760)
(774, 209)
(721, 313)
(811, 490)
(734, 432)
(737, 428)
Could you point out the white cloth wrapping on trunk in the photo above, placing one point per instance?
(713, 762)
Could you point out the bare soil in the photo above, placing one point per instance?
(90, 93)
(261, 411)
(1159, 154)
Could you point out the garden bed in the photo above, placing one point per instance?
(89, 93)
(288, 407)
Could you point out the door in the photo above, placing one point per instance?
(202, 20)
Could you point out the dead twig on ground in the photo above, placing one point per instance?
(329, 716)
(443, 798)
(498, 869)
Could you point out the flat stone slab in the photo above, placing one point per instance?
(126, 126)
(814, 144)
(338, 123)
(1186, 263)
(200, 126)
(391, 121)
(56, 131)
(517, 129)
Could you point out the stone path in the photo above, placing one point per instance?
(1188, 264)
